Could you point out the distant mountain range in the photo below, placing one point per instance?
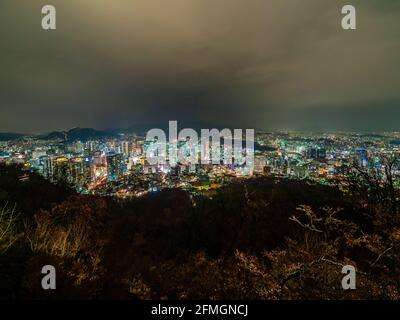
(85, 134)
(81, 134)
(4, 136)
(75, 134)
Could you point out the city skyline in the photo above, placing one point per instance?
(141, 129)
(128, 165)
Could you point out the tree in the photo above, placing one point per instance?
(375, 185)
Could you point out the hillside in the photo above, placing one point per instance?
(262, 239)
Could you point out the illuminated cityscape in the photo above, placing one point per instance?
(280, 182)
(118, 167)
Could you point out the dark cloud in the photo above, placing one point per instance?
(274, 64)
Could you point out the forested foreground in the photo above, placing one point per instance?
(260, 239)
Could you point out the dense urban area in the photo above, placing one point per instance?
(118, 166)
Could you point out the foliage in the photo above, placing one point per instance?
(259, 239)
(9, 233)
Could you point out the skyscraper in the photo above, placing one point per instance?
(114, 167)
(362, 155)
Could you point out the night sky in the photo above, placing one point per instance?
(264, 64)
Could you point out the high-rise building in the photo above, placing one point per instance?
(362, 155)
(321, 154)
(60, 170)
(46, 166)
(80, 171)
(126, 148)
(259, 164)
(316, 153)
(312, 153)
(115, 166)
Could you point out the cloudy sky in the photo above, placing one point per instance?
(270, 64)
